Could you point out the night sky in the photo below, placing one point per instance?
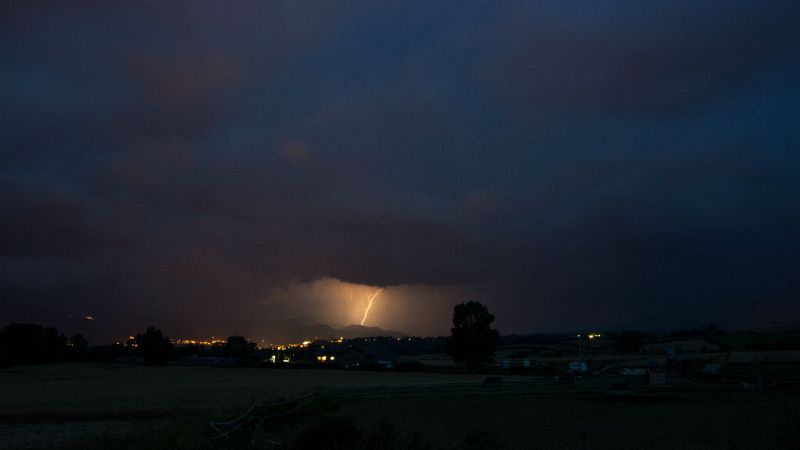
(248, 167)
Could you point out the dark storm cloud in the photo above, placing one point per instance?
(571, 164)
(629, 58)
(41, 223)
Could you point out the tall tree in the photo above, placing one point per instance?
(240, 350)
(155, 348)
(472, 341)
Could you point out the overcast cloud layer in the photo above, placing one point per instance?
(199, 165)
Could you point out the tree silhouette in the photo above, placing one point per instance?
(239, 349)
(154, 347)
(26, 343)
(473, 340)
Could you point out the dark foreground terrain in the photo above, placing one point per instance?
(120, 406)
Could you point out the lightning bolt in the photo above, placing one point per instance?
(371, 298)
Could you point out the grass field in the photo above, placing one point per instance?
(121, 406)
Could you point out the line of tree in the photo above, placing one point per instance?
(28, 343)
(472, 342)
(156, 349)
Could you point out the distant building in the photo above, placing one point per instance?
(672, 348)
(656, 378)
(355, 357)
(514, 363)
(578, 366)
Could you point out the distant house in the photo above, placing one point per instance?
(514, 363)
(351, 358)
(672, 348)
(385, 359)
(656, 377)
(578, 367)
(327, 353)
(355, 357)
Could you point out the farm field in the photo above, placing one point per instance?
(120, 390)
(122, 406)
(564, 421)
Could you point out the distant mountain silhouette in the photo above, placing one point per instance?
(353, 331)
(322, 331)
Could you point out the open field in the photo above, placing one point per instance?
(120, 406)
(119, 390)
(665, 421)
